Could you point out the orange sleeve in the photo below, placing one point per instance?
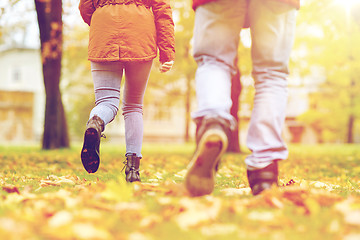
(87, 9)
(164, 29)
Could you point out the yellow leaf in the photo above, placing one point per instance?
(64, 180)
(89, 231)
(334, 226)
(118, 190)
(60, 219)
(236, 191)
(312, 206)
(198, 211)
(149, 221)
(219, 229)
(318, 184)
(262, 216)
(352, 236)
(353, 218)
(138, 236)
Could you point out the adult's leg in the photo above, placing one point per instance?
(216, 38)
(272, 31)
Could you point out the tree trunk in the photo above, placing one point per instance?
(351, 120)
(49, 14)
(188, 76)
(350, 136)
(234, 143)
(187, 108)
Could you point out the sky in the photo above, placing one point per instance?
(23, 14)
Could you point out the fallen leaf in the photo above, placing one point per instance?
(198, 210)
(89, 231)
(334, 226)
(118, 190)
(11, 189)
(353, 218)
(150, 221)
(312, 206)
(219, 229)
(352, 236)
(261, 216)
(46, 183)
(236, 191)
(138, 236)
(60, 219)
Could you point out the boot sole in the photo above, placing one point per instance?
(89, 156)
(199, 179)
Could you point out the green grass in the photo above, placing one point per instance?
(48, 195)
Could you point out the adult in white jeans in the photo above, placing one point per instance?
(216, 39)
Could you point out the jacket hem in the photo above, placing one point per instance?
(121, 59)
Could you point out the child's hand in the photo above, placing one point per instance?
(166, 66)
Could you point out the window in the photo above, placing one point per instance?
(16, 75)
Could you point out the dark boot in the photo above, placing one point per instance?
(132, 167)
(212, 142)
(262, 179)
(90, 156)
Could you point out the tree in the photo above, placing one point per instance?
(186, 65)
(236, 87)
(76, 81)
(330, 44)
(178, 83)
(244, 65)
(49, 14)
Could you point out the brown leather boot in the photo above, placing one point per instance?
(90, 156)
(212, 142)
(262, 179)
(132, 164)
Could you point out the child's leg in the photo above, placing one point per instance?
(136, 75)
(107, 79)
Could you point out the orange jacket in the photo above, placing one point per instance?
(129, 30)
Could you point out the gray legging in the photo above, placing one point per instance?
(107, 80)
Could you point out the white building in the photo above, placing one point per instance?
(22, 98)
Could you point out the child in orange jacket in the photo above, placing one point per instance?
(125, 36)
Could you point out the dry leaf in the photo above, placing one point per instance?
(352, 236)
(261, 216)
(89, 231)
(198, 211)
(219, 229)
(11, 189)
(236, 191)
(60, 219)
(353, 218)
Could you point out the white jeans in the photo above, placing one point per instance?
(107, 78)
(216, 38)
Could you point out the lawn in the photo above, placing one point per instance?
(48, 195)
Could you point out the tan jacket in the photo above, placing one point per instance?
(129, 30)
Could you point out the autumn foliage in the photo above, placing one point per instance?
(48, 195)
